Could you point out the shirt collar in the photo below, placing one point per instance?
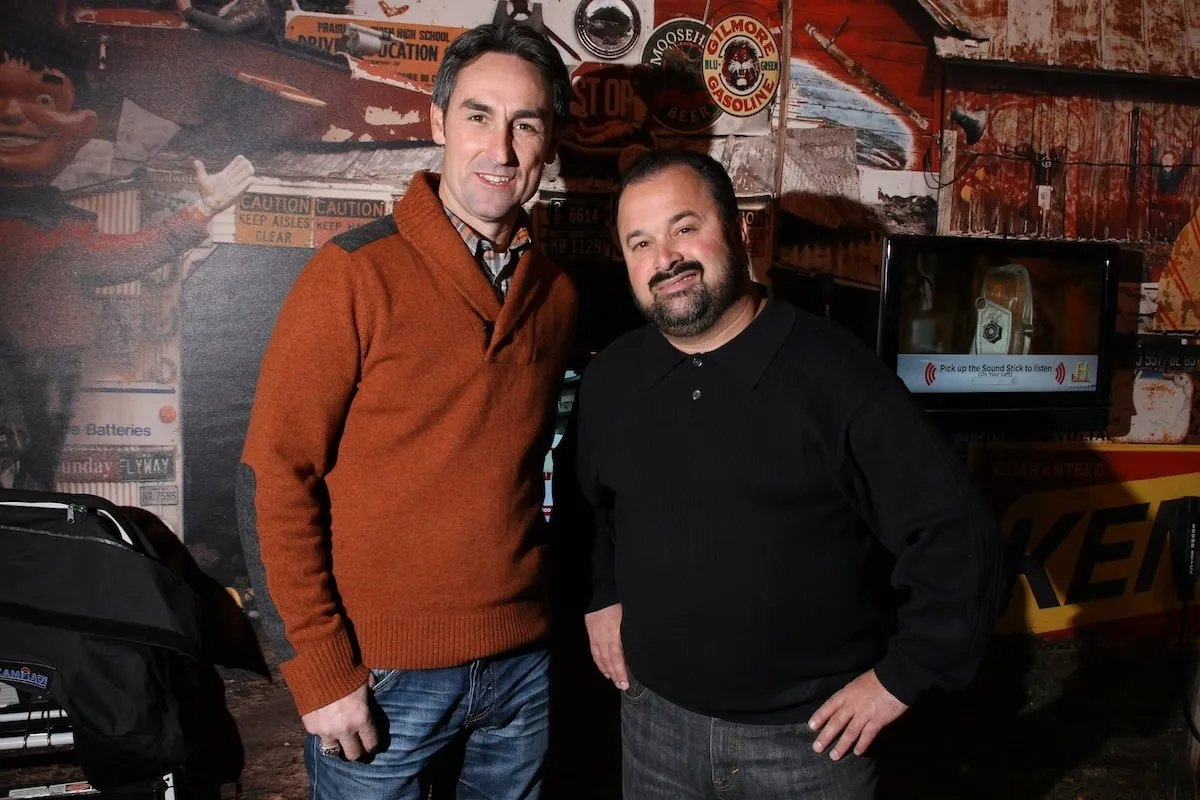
(746, 356)
(476, 243)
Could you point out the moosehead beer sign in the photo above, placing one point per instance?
(741, 65)
(674, 57)
(1087, 530)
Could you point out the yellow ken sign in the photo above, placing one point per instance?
(1094, 554)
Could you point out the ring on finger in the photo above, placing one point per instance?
(331, 752)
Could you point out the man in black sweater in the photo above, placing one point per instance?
(756, 477)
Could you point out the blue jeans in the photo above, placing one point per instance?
(669, 753)
(499, 705)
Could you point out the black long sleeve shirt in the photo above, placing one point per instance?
(740, 500)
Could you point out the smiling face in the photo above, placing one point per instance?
(39, 132)
(680, 257)
(497, 135)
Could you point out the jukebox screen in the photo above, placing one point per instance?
(991, 322)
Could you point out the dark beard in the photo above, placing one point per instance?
(704, 304)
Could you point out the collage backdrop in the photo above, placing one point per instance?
(168, 166)
(181, 161)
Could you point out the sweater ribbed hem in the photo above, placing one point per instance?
(435, 642)
(320, 674)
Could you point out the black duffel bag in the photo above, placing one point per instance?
(92, 619)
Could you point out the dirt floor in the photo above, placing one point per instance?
(1068, 720)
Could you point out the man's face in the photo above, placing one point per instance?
(497, 133)
(682, 269)
(39, 133)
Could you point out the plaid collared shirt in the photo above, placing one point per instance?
(497, 265)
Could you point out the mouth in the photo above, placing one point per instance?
(499, 181)
(677, 283)
(19, 141)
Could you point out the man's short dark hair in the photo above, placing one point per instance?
(510, 38)
(710, 171)
(40, 50)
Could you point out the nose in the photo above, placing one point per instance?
(10, 111)
(667, 257)
(500, 146)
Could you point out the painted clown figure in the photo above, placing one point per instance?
(54, 258)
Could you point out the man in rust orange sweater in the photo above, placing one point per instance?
(392, 472)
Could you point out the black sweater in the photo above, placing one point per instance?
(740, 499)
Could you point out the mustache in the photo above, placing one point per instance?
(675, 271)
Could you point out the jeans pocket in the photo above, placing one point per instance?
(636, 692)
(383, 677)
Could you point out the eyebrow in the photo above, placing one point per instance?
(520, 113)
(674, 218)
(55, 79)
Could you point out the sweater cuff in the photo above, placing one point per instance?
(321, 674)
(603, 595)
(905, 680)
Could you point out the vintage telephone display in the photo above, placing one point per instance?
(1004, 312)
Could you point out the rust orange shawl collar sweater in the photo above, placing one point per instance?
(392, 472)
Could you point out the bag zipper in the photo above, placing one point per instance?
(76, 513)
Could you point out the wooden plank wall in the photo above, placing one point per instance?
(1118, 157)
(769, 11)
(1155, 37)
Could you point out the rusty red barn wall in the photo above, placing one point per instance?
(1150, 37)
(1116, 156)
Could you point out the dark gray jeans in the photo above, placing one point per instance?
(669, 753)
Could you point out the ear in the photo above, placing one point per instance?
(437, 123)
(743, 236)
(556, 134)
(741, 241)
